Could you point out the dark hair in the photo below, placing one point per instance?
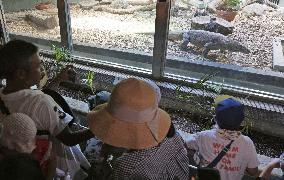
(14, 55)
(172, 131)
(20, 167)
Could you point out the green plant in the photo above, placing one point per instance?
(202, 84)
(61, 54)
(198, 95)
(230, 4)
(90, 78)
(247, 126)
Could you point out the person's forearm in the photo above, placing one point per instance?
(70, 138)
(53, 84)
(80, 136)
(266, 173)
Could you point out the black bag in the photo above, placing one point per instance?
(209, 172)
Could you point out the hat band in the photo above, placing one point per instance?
(131, 115)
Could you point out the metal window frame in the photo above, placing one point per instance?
(161, 38)
(65, 24)
(5, 35)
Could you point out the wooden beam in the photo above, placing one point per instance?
(161, 37)
(65, 23)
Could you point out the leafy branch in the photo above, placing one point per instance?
(89, 80)
(200, 100)
(61, 54)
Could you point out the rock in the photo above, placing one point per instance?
(197, 3)
(42, 6)
(255, 9)
(201, 12)
(119, 4)
(86, 5)
(212, 5)
(139, 2)
(280, 12)
(219, 25)
(42, 20)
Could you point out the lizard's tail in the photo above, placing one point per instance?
(237, 47)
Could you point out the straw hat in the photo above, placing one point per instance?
(131, 119)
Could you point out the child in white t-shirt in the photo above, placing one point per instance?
(241, 156)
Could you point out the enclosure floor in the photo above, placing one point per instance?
(135, 32)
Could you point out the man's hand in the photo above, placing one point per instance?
(65, 74)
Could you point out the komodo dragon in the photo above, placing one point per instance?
(211, 41)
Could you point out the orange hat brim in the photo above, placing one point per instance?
(125, 134)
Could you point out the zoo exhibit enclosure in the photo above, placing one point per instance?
(261, 91)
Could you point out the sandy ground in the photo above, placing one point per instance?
(122, 31)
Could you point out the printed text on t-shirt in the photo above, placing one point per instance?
(226, 161)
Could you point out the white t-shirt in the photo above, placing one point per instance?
(48, 115)
(41, 108)
(232, 166)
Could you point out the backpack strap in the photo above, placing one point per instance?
(220, 155)
(3, 108)
(42, 132)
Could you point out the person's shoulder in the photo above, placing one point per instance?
(247, 140)
(43, 98)
(205, 136)
(32, 94)
(207, 133)
(42, 101)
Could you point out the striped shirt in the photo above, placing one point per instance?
(168, 160)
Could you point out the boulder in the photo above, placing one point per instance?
(42, 20)
(42, 6)
(86, 5)
(213, 5)
(279, 12)
(119, 4)
(218, 25)
(255, 9)
(140, 2)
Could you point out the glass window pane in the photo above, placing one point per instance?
(125, 28)
(36, 19)
(238, 43)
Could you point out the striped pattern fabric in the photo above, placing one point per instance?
(168, 160)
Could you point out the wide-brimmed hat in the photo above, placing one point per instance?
(131, 119)
(229, 112)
